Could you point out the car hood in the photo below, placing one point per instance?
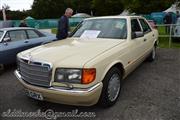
(71, 52)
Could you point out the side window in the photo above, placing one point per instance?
(7, 35)
(1, 33)
(135, 27)
(145, 26)
(32, 34)
(17, 35)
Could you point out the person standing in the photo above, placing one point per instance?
(63, 25)
(168, 21)
(23, 24)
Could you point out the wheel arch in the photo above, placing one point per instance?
(118, 65)
(156, 42)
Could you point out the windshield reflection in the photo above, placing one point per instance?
(115, 28)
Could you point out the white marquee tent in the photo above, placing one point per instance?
(174, 8)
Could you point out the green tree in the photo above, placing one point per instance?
(147, 6)
(16, 15)
(47, 8)
(55, 8)
(107, 7)
(82, 6)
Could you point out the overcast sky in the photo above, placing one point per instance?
(17, 4)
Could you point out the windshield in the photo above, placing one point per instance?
(115, 28)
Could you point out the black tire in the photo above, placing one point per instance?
(105, 100)
(152, 55)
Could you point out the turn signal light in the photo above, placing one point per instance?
(88, 75)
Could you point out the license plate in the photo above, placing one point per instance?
(34, 95)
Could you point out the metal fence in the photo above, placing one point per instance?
(169, 31)
(41, 24)
(5, 24)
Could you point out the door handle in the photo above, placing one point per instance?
(145, 40)
(26, 41)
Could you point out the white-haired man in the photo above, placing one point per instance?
(63, 24)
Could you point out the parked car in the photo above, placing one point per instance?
(88, 67)
(14, 40)
(176, 30)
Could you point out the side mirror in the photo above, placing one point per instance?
(7, 39)
(137, 34)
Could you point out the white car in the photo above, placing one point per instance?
(88, 67)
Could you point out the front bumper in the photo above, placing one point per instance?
(80, 97)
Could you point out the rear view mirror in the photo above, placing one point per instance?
(137, 34)
(7, 39)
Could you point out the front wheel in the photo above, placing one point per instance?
(152, 55)
(111, 87)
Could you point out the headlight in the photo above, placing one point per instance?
(68, 75)
(79, 76)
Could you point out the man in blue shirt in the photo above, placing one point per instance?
(63, 25)
(168, 21)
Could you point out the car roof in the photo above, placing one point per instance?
(15, 28)
(117, 16)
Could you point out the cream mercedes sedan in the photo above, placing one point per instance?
(89, 66)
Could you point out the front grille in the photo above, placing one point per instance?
(35, 73)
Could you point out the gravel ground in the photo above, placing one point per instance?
(151, 92)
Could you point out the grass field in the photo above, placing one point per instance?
(163, 41)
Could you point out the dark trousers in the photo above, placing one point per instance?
(167, 29)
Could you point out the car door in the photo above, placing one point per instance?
(135, 45)
(17, 42)
(137, 42)
(36, 38)
(149, 36)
